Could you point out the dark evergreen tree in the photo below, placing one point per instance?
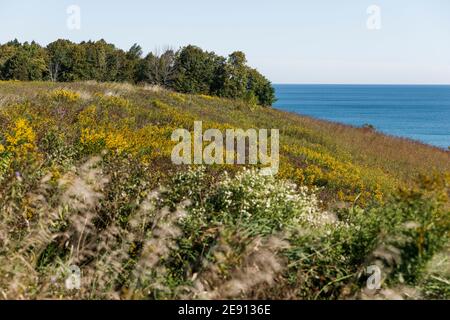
(195, 70)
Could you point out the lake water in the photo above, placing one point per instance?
(418, 112)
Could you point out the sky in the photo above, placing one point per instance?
(289, 41)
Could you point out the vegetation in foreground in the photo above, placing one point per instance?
(86, 180)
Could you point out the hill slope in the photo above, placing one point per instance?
(86, 179)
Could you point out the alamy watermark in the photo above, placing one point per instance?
(73, 280)
(74, 17)
(374, 20)
(234, 146)
(374, 280)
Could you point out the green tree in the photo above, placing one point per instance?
(235, 76)
(158, 68)
(131, 63)
(62, 60)
(260, 87)
(196, 70)
(23, 62)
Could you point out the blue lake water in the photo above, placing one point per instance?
(419, 112)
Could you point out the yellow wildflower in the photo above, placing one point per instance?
(117, 142)
(22, 138)
(64, 95)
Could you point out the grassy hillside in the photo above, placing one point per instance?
(86, 179)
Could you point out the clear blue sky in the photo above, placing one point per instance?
(290, 41)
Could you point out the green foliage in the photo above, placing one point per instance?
(157, 69)
(235, 76)
(188, 70)
(248, 204)
(260, 87)
(400, 236)
(23, 62)
(326, 258)
(196, 70)
(201, 72)
(258, 204)
(5, 161)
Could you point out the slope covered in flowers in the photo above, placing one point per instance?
(86, 179)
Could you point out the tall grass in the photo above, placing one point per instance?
(86, 180)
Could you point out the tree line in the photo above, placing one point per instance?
(188, 70)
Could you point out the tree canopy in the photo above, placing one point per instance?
(189, 69)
